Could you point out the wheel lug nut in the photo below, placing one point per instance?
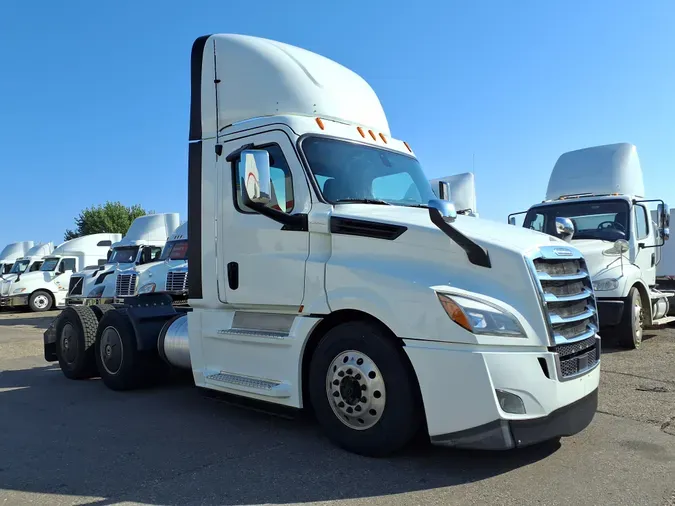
(363, 387)
(357, 408)
(336, 382)
(341, 404)
(357, 377)
(336, 394)
(349, 371)
(364, 399)
(350, 410)
(341, 374)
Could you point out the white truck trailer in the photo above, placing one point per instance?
(142, 245)
(46, 288)
(169, 275)
(11, 252)
(315, 280)
(596, 201)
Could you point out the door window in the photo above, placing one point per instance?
(67, 264)
(641, 224)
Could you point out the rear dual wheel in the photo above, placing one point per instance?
(75, 336)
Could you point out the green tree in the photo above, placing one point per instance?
(111, 218)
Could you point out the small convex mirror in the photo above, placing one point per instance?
(445, 208)
(564, 228)
(254, 176)
(512, 220)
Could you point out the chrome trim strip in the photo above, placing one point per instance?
(550, 297)
(557, 319)
(543, 276)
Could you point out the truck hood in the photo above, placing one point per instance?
(486, 233)
(597, 262)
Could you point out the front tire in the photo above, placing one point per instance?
(364, 391)
(75, 337)
(40, 301)
(630, 330)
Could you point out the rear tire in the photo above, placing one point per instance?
(119, 362)
(40, 301)
(631, 328)
(101, 309)
(75, 338)
(364, 391)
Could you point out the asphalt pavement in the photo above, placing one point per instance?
(76, 442)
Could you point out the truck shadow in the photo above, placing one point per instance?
(171, 445)
(27, 319)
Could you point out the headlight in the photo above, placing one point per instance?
(147, 288)
(480, 317)
(605, 285)
(19, 290)
(96, 292)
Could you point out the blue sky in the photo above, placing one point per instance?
(94, 96)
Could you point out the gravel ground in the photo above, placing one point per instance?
(65, 442)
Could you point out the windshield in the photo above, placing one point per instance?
(19, 266)
(175, 250)
(605, 220)
(49, 264)
(5, 268)
(124, 255)
(347, 171)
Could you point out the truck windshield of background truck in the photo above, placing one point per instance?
(605, 220)
(352, 172)
(50, 264)
(19, 266)
(125, 255)
(175, 250)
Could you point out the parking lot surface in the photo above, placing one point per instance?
(76, 442)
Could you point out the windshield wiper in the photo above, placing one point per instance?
(363, 201)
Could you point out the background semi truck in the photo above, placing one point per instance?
(168, 275)
(11, 252)
(319, 279)
(596, 200)
(142, 245)
(46, 288)
(31, 262)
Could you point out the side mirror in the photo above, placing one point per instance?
(663, 212)
(512, 220)
(564, 228)
(254, 175)
(445, 208)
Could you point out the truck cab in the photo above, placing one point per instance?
(10, 253)
(326, 274)
(168, 275)
(596, 201)
(46, 288)
(142, 245)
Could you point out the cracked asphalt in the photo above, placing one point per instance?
(66, 442)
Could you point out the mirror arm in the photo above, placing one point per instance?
(294, 222)
(477, 255)
(235, 154)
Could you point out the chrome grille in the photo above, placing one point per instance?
(176, 281)
(75, 285)
(569, 305)
(125, 285)
(5, 287)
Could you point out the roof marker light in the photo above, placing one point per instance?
(320, 123)
(406, 145)
(361, 132)
(384, 139)
(372, 134)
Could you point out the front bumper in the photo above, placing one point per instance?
(459, 386)
(610, 311)
(14, 300)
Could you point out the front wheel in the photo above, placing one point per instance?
(40, 301)
(364, 391)
(630, 330)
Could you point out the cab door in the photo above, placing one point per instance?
(260, 261)
(645, 240)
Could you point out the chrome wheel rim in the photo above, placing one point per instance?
(41, 301)
(111, 350)
(356, 390)
(638, 315)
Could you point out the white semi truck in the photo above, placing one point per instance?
(596, 201)
(11, 252)
(142, 245)
(168, 275)
(31, 262)
(46, 288)
(317, 279)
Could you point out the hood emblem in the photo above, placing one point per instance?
(562, 252)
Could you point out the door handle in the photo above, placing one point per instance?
(233, 275)
(653, 259)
